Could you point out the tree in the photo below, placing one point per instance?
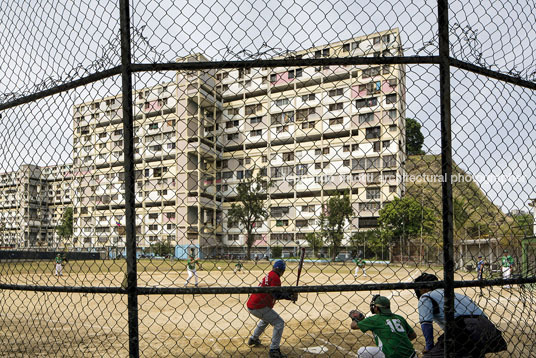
(65, 229)
(368, 242)
(332, 220)
(249, 207)
(315, 241)
(523, 225)
(162, 248)
(414, 137)
(405, 218)
(277, 251)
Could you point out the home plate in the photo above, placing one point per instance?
(316, 350)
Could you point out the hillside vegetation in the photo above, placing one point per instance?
(474, 214)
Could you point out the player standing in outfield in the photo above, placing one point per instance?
(392, 334)
(192, 272)
(475, 334)
(359, 264)
(480, 271)
(507, 263)
(59, 265)
(238, 267)
(261, 306)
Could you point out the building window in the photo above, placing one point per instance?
(392, 113)
(390, 98)
(253, 108)
(373, 193)
(336, 92)
(336, 106)
(281, 223)
(368, 222)
(386, 144)
(255, 120)
(303, 114)
(367, 102)
(227, 175)
(373, 132)
(273, 77)
(256, 133)
(376, 146)
(232, 136)
(366, 117)
(308, 125)
(232, 237)
(392, 188)
(231, 124)
(288, 156)
(392, 128)
(282, 102)
(371, 72)
(389, 161)
(233, 111)
(295, 73)
(308, 97)
(335, 121)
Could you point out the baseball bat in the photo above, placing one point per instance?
(300, 265)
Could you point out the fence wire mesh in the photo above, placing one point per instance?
(313, 135)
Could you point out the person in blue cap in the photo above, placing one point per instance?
(261, 306)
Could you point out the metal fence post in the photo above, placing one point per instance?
(130, 217)
(446, 171)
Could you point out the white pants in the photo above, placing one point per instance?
(357, 271)
(506, 272)
(58, 269)
(190, 274)
(370, 352)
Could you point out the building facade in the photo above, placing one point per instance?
(311, 132)
(32, 202)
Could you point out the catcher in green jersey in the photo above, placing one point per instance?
(392, 333)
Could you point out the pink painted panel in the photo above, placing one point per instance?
(282, 78)
(356, 93)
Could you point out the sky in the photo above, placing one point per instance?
(50, 42)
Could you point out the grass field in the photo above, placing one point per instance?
(78, 325)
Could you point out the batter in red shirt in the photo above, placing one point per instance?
(261, 306)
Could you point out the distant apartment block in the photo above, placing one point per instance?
(312, 132)
(32, 201)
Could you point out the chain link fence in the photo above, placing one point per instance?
(158, 159)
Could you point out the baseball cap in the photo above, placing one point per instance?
(479, 256)
(383, 304)
(280, 264)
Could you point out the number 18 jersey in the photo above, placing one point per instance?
(390, 334)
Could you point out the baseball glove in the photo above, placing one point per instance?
(356, 315)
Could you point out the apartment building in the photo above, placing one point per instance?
(312, 132)
(32, 201)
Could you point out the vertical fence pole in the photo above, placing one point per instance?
(446, 171)
(130, 223)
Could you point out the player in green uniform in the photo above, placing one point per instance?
(59, 265)
(238, 267)
(190, 267)
(392, 333)
(507, 263)
(359, 264)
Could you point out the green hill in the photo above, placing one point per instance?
(474, 214)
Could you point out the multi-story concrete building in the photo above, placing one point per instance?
(311, 131)
(32, 201)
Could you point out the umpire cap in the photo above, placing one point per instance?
(280, 264)
(424, 277)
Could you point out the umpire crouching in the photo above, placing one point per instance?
(261, 306)
(475, 334)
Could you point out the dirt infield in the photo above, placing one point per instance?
(72, 324)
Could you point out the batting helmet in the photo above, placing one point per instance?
(280, 264)
(424, 277)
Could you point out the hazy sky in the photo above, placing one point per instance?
(48, 42)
